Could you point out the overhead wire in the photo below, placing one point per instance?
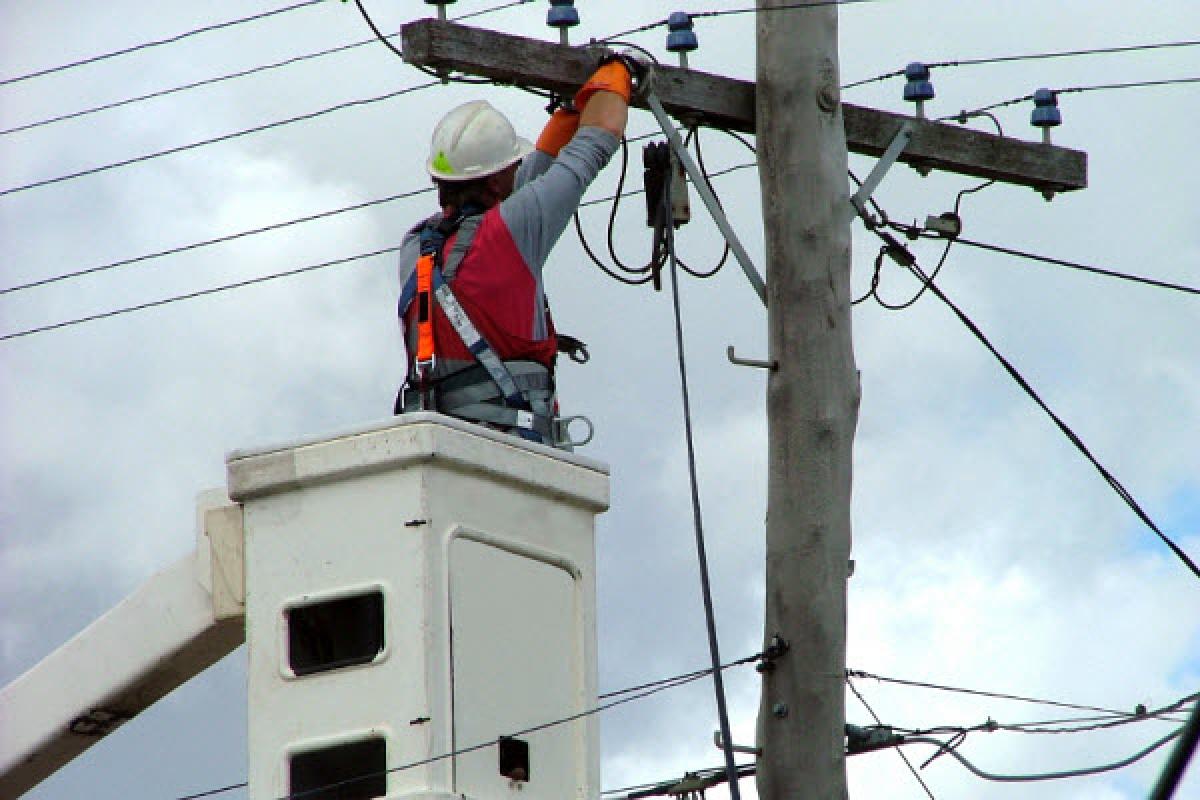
(233, 75)
(649, 26)
(697, 517)
(857, 673)
(1044, 776)
(969, 62)
(229, 237)
(1118, 488)
(1100, 87)
(209, 242)
(169, 40)
(215, 140)
(899, 752)
(625, 696)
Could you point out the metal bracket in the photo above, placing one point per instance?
(858, 200)
(749, 362)
(710, 200)
(737, 748)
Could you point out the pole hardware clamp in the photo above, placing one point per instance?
(858, 200)
(737, 748)
(749, 362)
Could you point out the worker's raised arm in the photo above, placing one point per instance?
(604, 100)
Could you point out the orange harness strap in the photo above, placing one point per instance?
(424, 299)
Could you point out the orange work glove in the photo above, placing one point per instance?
(611, 77)
(558, 131)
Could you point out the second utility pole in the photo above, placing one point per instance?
(812, 399)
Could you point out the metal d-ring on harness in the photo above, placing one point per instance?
(524, 389)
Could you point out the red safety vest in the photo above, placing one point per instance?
(496, 289)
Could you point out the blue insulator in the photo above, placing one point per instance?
(562, 14)
(1045, 110)
(919, 88)
(680, 37)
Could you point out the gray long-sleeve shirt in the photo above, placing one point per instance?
(547, 192)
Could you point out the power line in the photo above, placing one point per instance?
(177, 298)
(192, 295)
(1044, 776)
(233, 236)
(207, 242)
(231, 76)
(855, 673)
(899, 752)
(216, 139)
(1100, 87)
(969, 62)
(658, 686)
(649, 26)
(156, 43)
(1078, 266)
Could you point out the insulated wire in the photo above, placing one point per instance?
(697, 519)
(208, 242)
(855, 673)
(1100, 87)
(659, 686)
(216, 139)
(899, 752)
(1045, 776)
(192, 295)
(165, 301)
(970, 62)
(1078, 266)
(1065, 429)
(1177, 762)
(727, 12)
(230, 76)
(169, 40)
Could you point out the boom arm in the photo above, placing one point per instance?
(177, 624)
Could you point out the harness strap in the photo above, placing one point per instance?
(466, 234)
(478, 346)
(424, 301)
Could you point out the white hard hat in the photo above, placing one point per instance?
(474, 141)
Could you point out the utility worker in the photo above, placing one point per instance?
(481, 343)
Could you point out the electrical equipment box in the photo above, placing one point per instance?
(418, 588)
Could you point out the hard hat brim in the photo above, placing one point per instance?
(524, 148)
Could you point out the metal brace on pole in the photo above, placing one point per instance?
(858, 201)
(710, 200)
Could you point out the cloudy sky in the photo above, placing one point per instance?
(989, 554)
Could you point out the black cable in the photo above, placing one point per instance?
(1109, 478)
(1100, 87)
(1065, 429)
(1177, 762)
(945, 747)
(694, 135)
(233, 75)
(901, 753)
(694, 14)
(1078, 266)
(216, 139)
(856, 673)
(659, 686)
(697, 518)
(969, 62)
(192, 295)
(169, 40)
(217, 240)
(223, 239)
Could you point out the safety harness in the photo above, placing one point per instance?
(517, 395)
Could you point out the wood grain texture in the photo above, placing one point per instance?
(717, 101)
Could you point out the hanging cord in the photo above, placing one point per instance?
(731, 769)
(645, 273)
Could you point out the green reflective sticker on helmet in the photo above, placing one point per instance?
(442, 164)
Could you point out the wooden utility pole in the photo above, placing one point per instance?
(804, 132)
(812, 401)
